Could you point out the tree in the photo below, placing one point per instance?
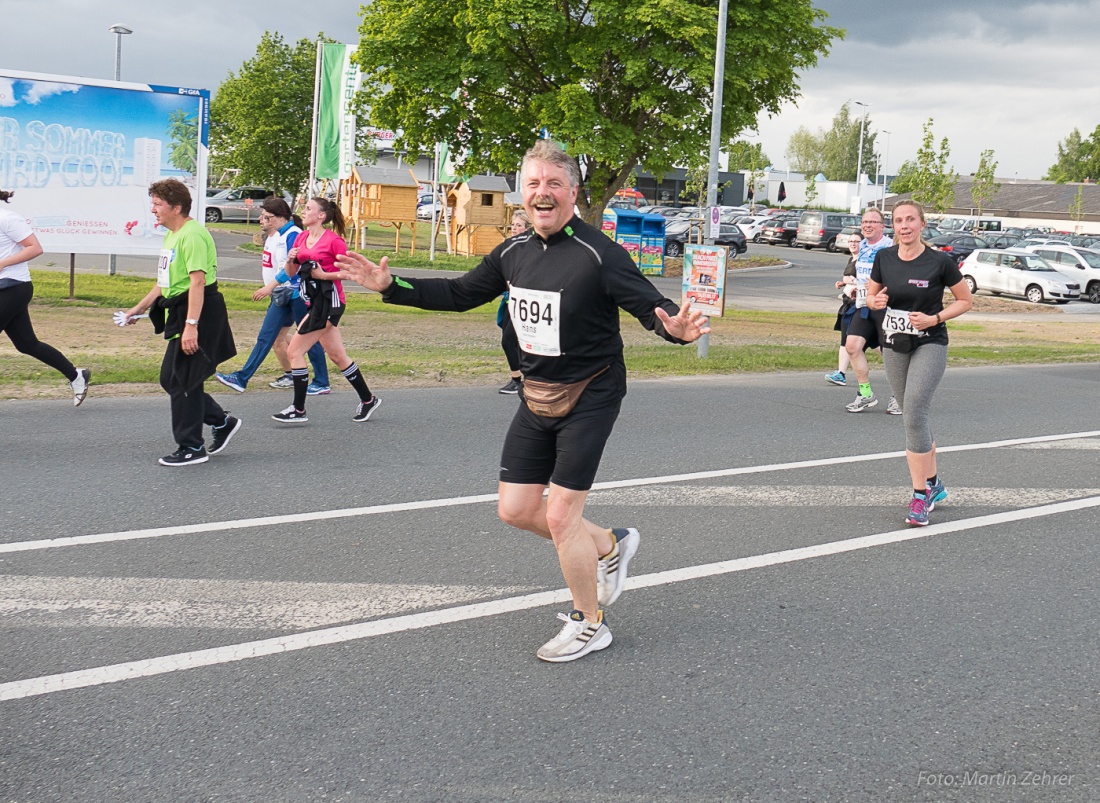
(745, 155)
(811, 190)
(1078, 159)
(804, 152)
(183, 130)
(984, 186)
(840, 145)
(261, 119)
(834, 152)
(906, 178)
(748, 156)
(1077, 210)
(934, 182)
(622, 83)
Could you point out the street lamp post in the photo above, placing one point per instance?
(859, 157)
(885, 167)
(703, 344)
(119, 30)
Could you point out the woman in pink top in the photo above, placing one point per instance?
(314, 255)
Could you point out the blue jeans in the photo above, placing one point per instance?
(276, 319)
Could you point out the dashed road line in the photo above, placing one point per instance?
(66, 681)
(217, 604)
(400, 507)
(811, 496)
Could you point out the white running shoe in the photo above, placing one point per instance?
(611, 569)
(80, 385)
(577, 638)
(892, 406)
(862, 403)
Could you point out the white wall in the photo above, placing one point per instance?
(832, 194)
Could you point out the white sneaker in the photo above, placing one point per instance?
(892, 407)
(611, 569)
(80, 385)
(862, 403)
(577, 638)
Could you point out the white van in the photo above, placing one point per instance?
(952, 224)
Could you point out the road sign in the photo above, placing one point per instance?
(715, 222)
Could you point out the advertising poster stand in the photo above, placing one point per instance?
(704, 281)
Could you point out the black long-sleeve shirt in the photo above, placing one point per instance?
(594, 276)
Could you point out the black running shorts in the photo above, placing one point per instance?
(565, 451)
(867, 328)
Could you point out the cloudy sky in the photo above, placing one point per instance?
(1010, 75)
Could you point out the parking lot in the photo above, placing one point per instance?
(236, 632)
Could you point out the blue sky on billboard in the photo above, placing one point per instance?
(1012, 75)
(102, 109)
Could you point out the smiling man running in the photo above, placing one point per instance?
(566, 282)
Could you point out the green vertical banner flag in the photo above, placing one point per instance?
(446, 173)
(337, 82)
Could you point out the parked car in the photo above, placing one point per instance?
(818, 228)
(240, 203)
(780, 230)
(1082, 264)
(628, 198)
(679, 233)
(735, 211)
(1027, 242)
(846, 235)
(1003, 241)
(750, 225)
(428, 210)
(958, 246)
(1017, 272)
(667, 212)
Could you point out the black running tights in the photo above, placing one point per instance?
(15, 321)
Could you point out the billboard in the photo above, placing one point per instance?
(81, 153)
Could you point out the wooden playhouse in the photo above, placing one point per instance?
(480, 216)
(383, 196)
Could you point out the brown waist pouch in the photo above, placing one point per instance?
(555, 399)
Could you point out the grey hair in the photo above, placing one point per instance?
(546, 150)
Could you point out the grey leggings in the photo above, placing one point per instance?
(914, 376)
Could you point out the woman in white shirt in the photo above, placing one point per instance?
(281, 227)
(18, 246)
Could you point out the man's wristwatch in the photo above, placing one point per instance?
(192, 321)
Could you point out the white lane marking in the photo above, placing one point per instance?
(1082, 443)
(241, 524)
(812, 495)
(31, 687)
(214, 604)
(400, 507)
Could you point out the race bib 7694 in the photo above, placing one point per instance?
(535, 317)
